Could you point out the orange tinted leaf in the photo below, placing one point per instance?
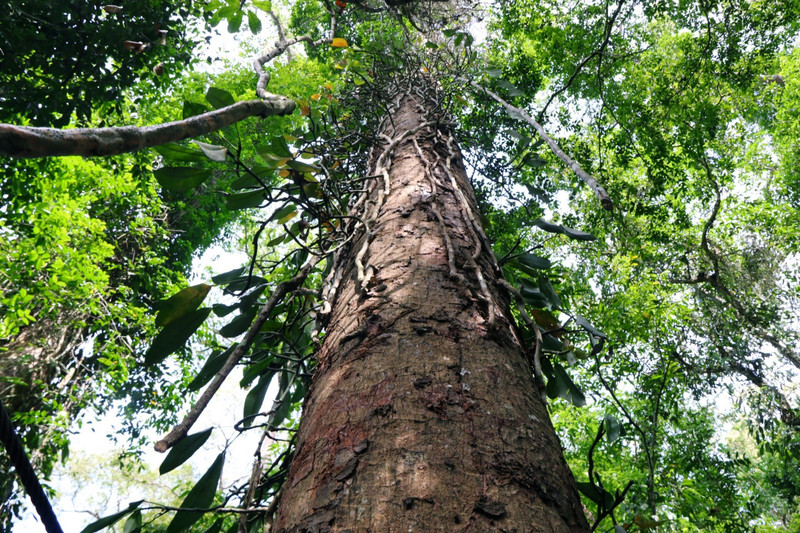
(338, 42)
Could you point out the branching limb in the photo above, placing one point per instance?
(26, 142)
(588, 179)
(180, 430)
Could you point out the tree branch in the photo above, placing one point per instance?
(26, 142)
(599, 190)
(181, 429)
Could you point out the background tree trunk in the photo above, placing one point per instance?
(423, 414)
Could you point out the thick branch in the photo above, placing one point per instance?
(599, 190)
(180, 430)
(23, 141)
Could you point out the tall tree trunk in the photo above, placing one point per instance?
(423, 414)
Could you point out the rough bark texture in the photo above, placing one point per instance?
(423, 415)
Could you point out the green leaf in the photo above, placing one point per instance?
(548, 226)
(192, 109)
(612, 428)
(183, 450)
(235, 22)
(533, 160)
(219, 98)
(200, 497)
(181, 304)
(227, 277)
(283, 212)
(512, 91)
(276, 149)
(255, 398)
(494, 72)
(598, 495)
(111, 519)
(245, 200)
(181, 179)
(572, 393)
(213, 364)
(179, 152)
(134, 523)
(245, 182)
(303, 167)
(553, 300)
(569, 232)
(239, 324)
(212, 151)
(264, 5)
(174, 336)
(582, 322)
(578, 235)
(216, 527)
(531, 264)
(254, 22)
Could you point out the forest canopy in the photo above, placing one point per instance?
(601, 198)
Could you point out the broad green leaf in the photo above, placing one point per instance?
(244, 281)
(255, 398)
(245, 182)
(213, 364)
(216, 527)
(134, 523)
(227, 277)
(183, 450)
(239, 324)
(212, 151)
(578, 235)
(512, 91)
(284, 212)
(254, 22)
(569, 232)
(548, 226)
(111, 519)
(582, 322)
(200, 497)
(179, 152)
(181, 179)
(494, 72)
(553, 300)
(534, 161)
(174, 336)
(222, 310)
(245, 200)
(572, 393)
(264, 5)
(192, 109)
(534, 261)
(612, 428)
(277, 240)
(181, 303)
(219, 98)
(277, 148)
(235, 22)
(303, 167)
(597, 495)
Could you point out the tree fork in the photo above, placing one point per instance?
(423, 413)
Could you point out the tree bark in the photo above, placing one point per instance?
(423, 414)
(25, 141)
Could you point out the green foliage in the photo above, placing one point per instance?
(117, 49)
